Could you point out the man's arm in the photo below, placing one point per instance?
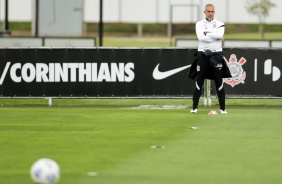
(217, 35)
(201, 35)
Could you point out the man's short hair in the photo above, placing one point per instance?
(209, 5)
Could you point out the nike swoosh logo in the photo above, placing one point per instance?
(158, 75)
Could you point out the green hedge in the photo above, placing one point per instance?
(157, 28)
(20, 26)
(177, 28)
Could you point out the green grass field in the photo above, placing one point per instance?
(113, 138)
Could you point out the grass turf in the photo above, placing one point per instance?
(108, 137)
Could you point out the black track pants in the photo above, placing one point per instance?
(203, 67)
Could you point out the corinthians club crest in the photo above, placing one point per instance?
(237, 72)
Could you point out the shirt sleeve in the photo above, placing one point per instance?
(218, 34)
(200, 34)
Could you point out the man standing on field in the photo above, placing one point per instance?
(209, 63)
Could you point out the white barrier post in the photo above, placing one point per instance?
(207, 93)
(50, 102)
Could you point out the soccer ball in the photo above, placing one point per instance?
(45, 171)
(212, 112)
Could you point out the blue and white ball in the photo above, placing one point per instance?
(45, 171)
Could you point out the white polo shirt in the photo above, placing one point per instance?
(211, 40)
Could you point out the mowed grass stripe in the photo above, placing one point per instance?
(127, 102)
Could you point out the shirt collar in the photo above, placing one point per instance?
(209, 20)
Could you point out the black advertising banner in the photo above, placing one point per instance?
(124, 72)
